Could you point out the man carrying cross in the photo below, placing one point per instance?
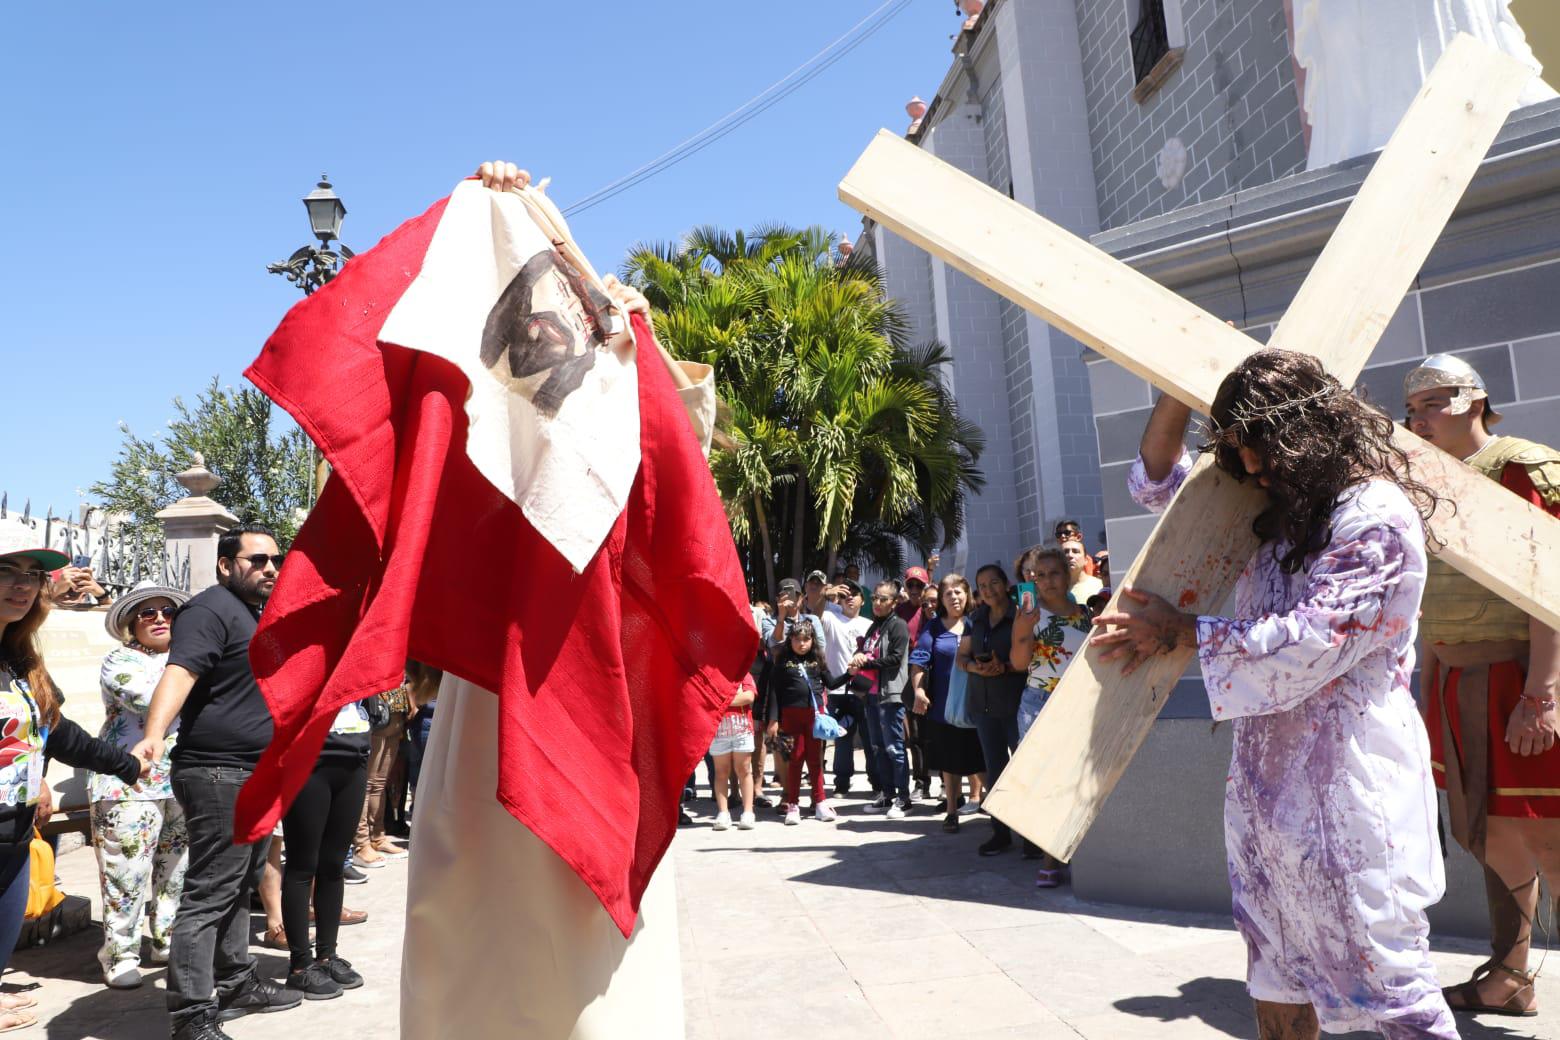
(1490, 677)
(1329, 808)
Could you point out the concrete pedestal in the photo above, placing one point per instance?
(192, 525)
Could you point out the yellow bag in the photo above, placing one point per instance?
(42, 896)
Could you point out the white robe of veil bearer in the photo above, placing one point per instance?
(1365, 60)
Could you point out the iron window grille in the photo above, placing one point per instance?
(1150, 39)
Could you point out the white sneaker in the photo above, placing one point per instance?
(124, 975)
(896, 811)
(723, 821)
(161, 956)
(793, 815)
(969, 808)
(825, 812)
(747, 821)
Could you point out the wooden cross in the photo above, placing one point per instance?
(1096, 719)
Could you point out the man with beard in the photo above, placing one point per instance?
(224, 727)
(1490, 676)
(1329, 808)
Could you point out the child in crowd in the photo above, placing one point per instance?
(732, 751)
(795, 694)
(1048, 632)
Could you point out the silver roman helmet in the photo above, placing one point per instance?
(1453, 373)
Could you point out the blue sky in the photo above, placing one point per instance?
(155, 155)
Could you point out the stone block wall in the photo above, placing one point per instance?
(1232, 103)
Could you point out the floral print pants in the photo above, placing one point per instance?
(143, 850)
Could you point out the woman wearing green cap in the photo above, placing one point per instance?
(31, 728)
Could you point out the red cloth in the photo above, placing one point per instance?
(1520, 786)
(611, 683)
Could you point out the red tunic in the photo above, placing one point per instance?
(1521, 786)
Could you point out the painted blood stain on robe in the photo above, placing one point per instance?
(1329, 807)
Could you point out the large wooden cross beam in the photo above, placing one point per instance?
(1096, 719)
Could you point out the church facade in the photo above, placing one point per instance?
(1170, 133)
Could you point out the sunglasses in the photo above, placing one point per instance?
(153, 613)
(884, 599)
(259, 560)
(22, 579)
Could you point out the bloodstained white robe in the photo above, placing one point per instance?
(1330, 807)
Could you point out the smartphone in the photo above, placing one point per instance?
(1026, 596)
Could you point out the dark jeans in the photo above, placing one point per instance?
(211, 933)
(915, 743)
(865, 732)
(998, 739)
(317, 832)
(422, 725)
(15, 872)
(886, 724)
(848, 706)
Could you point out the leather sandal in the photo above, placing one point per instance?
(1464, 996)
(275, 938)
(348, 917)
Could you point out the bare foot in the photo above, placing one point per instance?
(10, 1020)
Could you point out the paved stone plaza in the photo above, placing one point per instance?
(864, 928)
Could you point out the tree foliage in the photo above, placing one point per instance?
(842, 442)
(266, 470)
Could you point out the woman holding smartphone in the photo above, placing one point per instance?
(995, 687)
(1048, 633)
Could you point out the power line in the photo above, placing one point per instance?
(764, 100)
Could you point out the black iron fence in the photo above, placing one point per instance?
(120, 558)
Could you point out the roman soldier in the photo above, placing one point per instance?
(1489, 679)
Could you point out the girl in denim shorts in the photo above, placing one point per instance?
(732, 750)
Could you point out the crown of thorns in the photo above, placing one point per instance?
(1245, 414)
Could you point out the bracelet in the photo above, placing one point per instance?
(1543, 703)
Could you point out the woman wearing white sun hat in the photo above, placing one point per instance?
(138, 829)
(31, 727)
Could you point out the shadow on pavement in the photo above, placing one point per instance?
(1224, 1005)
(133, 1014)
(1220, 1004)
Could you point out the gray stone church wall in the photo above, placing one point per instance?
(1232, 103)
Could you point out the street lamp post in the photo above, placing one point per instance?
(312, 266)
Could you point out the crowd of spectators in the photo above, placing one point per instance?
(925, 685)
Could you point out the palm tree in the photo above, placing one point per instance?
(843, 437)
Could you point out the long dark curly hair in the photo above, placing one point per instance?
(1315, 440)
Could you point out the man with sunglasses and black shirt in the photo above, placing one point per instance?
(224, 728)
